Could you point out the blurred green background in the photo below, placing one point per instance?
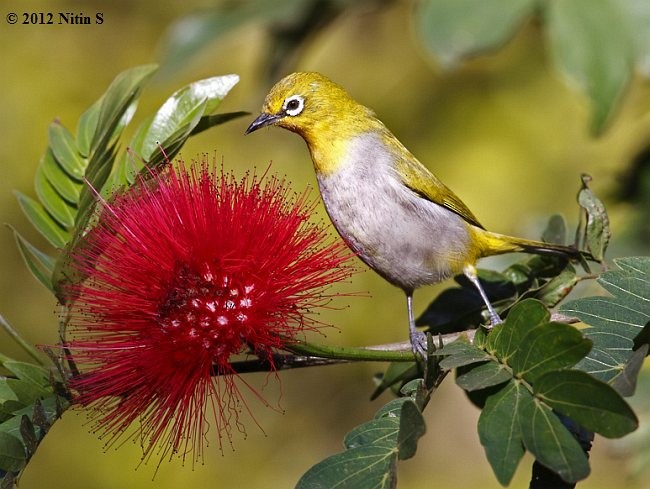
(504, 131)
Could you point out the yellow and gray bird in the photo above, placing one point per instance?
(398, 217)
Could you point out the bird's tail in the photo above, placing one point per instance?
(496, 244)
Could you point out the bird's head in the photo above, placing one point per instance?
(309, 104)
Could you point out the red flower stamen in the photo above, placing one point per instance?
(184, 271)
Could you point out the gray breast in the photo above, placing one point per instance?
(407, 239)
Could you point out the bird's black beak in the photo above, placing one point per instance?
(264, 119)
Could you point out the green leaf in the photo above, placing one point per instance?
(533, 271)
(505, 339)
(531, 355)
(98, 169)
(411, 429)
(456, 29)
(12, 453)
(28, 372)
(499, 431)
(372, 450)
(25, 391)
(5, 411)
(484, 375)
(55, 205)
(24, 426)
(550, 442)
(170, 147)
(625, 382)
(65, 186)
(461, 352)
(637, 15)
(6, 394)
(395, 374)
(40, 264)
(63, 167)
(547, 347)
(392, 408)
(414, 389)
(615, 321)
(592, 48)
(592, 403)
(554, 290)
(115, 110)
(9, 407)
(358, 468)
(42, 221)
(181, 109)
(630, 284)
(120, 96)
(86, 127)
(51, 409)
(381, 432)
(480, 338)
(130, 162)
(555, 231)
(596, 232)
(64, 148)
(185, 113)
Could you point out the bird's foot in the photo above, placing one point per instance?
(419, 344)
(495, 319)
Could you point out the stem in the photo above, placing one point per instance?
(310, 355)
(280, 362)
(305, 354)
(33, 352)
(396, 352)
(389, 352)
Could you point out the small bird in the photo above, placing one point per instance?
(398, 217)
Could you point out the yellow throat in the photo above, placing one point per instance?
(327, 122)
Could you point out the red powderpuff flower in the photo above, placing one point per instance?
(184, 271)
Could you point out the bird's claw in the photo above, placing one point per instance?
(419, 345)
(495, 319)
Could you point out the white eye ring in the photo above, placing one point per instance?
(293, 105)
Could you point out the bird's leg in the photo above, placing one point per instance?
(418, 339)
(471, 274)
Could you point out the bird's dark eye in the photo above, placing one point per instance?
(293, 105)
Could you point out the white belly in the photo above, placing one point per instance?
(407, 239)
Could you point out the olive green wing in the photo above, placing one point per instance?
(424, 183)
